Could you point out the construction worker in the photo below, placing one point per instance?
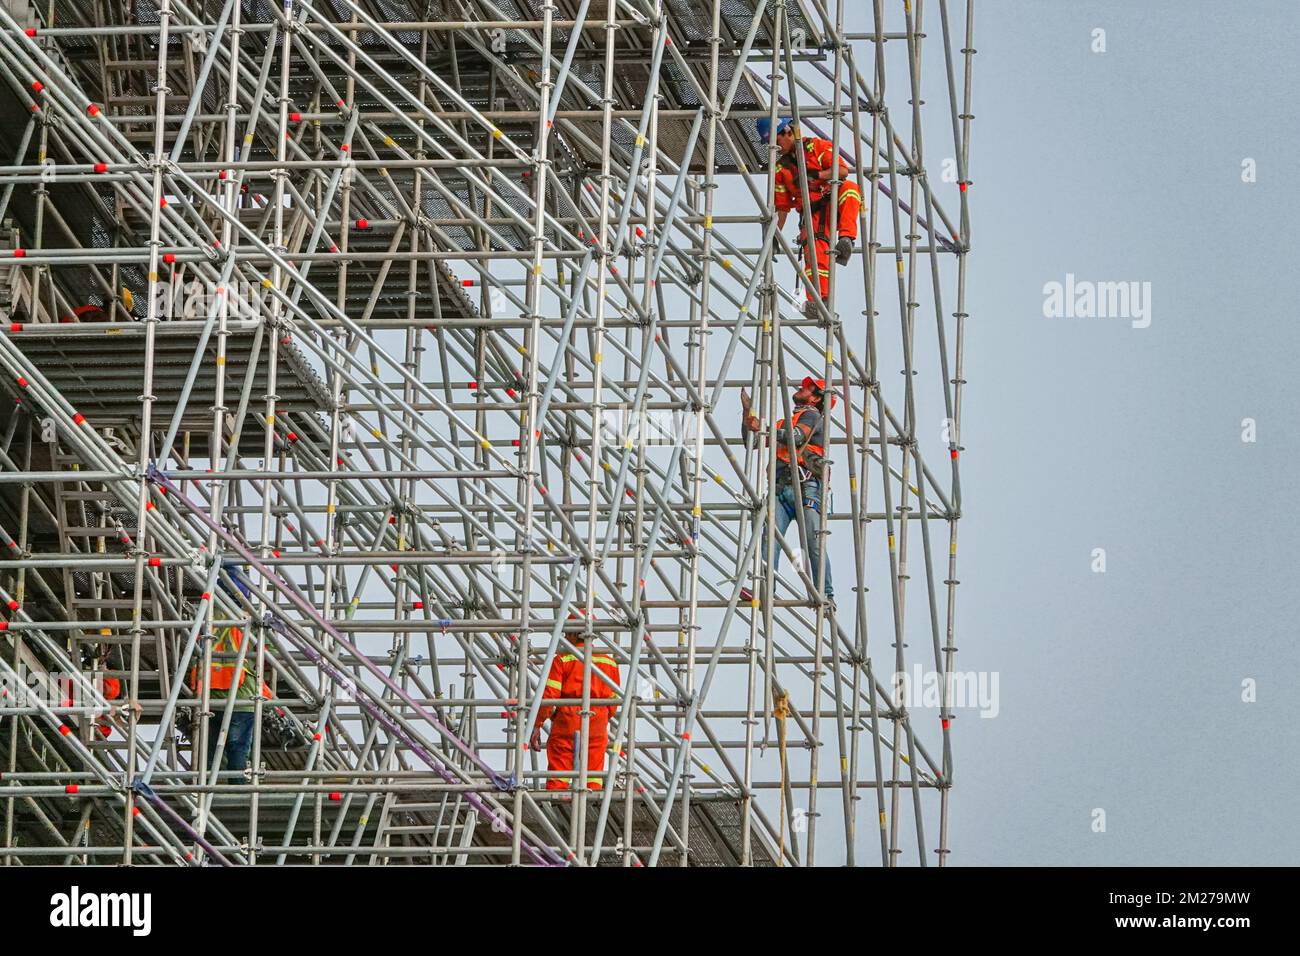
(818, 155)
(565, 681)
(807, 430)
(239, 738)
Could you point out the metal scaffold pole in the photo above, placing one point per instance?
(374, 487)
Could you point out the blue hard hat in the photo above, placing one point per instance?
(765, 127)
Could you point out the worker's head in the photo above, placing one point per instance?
(577, 637)
(786, 136)
(784, 132)
(811, 391)
(232, 580)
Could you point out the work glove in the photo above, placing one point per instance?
(749, 419)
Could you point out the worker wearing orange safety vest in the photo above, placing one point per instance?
(821, 165)
(221, 679)
(564, 681)
(807, 433)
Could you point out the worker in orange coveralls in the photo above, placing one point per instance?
(818, 161)
(565, 681)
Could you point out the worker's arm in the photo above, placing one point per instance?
(783, 197)
(749, 421)
(843, 167)
(608, 668)
(554, 682)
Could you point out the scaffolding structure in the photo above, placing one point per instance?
(432, 316)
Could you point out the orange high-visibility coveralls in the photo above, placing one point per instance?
(817, 157)
(565, 681)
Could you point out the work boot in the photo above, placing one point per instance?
(747, 596)
(844, 250)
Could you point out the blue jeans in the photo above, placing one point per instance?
(239, 738)
(785, 514)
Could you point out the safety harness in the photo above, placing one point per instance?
(808, 456)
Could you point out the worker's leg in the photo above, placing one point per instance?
(822, 259)
(812, 507)
(239, 742)
(783, 514)
(824, 268)
(850, 208)
(214, 728)
(559, 757)
(597, 741)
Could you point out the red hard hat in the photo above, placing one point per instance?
(819, 384)
(90, 313)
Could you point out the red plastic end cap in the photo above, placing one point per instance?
(515, 442)
(155, 562)
(22, 382)
(336, 796)
(135, 811)
(78, 419)
(954, 453)
(295, 117)
(207, 595)
(467, 283)
(223, 174)
(162, 203)
(961, 186)
(316, 736)
(945, 724)
(293, 436)
(92, 109)
(417, 605)
(340, 104)
(169, 257)
(65, 729)
(276, 553)
(363, 223)
(473, 385)
(20, 253)
(71, 788)
(14, 605)
(15, 326)
(101, 167)
(30, 31)
(37, 86)
(345, 147)
(4, 625)
(106, 730)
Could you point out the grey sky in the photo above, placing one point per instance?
(1122, 690)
